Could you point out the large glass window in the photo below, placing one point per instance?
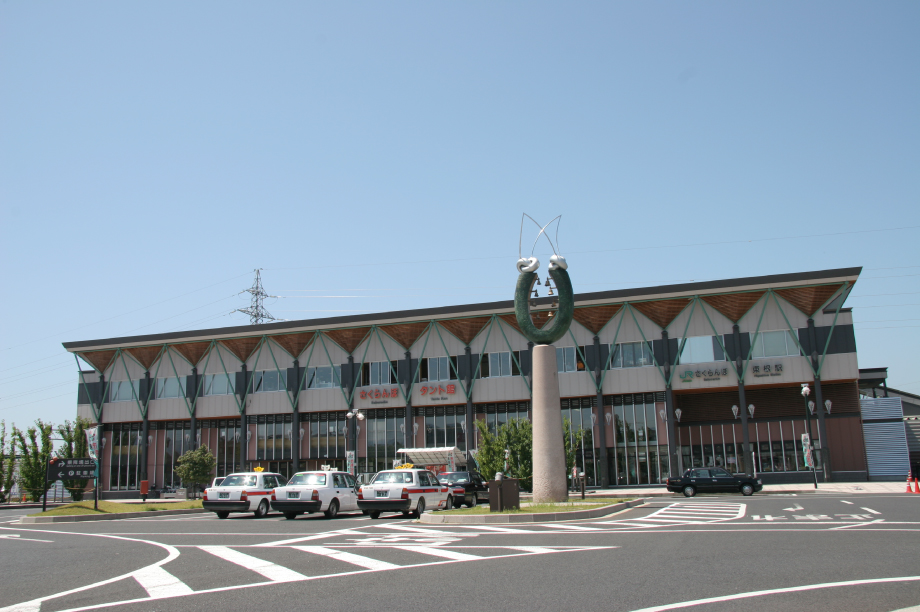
(269, 380)
(170, 387)
(499, 364)
(219, 384)
(378, 373)
(631, 355)
(323, 377)
(774, 344)
(438, 368)
(568, 359)
(700, 349)
(124, 390)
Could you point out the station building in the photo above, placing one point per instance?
(660, 379)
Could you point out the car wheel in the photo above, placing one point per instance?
(473, 501)
(365, 512)
(290, 515)
(689, 491)
(374, 514)
(262, 510)
(449, 504)
(419, 507)
(333, 509)
(747, 489)
(223, 515)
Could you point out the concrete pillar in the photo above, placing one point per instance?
(745, 433)
(549, 477)
(603, 477)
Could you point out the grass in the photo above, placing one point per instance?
(107, 507)
(533, 509)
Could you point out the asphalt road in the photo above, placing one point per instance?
(815, 552)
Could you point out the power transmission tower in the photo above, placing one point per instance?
(256, 311)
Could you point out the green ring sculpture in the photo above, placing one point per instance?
(563, 318)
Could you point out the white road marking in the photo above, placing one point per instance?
(159, 583)
(273, 572)
(576, 527)
(15, 536)
(858, 524)
(348, 557)
(317, 536)
(845, 502)
(442, 552)
(794, 508)
(870, 510)
(798, 589)
(532, 549)
(498, 529)
(414, 529)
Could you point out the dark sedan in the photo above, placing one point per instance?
(713, 480)
(474, 487)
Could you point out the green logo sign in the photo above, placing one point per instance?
(687, 376)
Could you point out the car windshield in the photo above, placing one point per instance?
(392, 477)
(454, 478)
(239, 481)
(308, 479)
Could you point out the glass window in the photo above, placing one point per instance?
(631, 355)
(124, 390)
(568, 359)
(393, 478)
(218, 384)
(323, 377)
(774, 344)
(499, 364)
(239, 481)
(170, 387)
(700, 349)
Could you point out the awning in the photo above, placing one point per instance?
(433, 456)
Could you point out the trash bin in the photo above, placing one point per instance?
(504, 494)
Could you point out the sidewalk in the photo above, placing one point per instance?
(846, 488)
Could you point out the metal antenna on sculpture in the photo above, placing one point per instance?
(256, 311)
(542, 233)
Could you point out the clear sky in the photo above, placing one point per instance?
(153, 154)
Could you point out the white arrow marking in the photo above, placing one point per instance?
(794, 508)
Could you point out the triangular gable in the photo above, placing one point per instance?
(594, 318)
(294, 344)
(145, 355)
(194, 352)
(465, 329)
(243, 348)
(808, 299)
(348, 339)
(662, 312)
(735, 305)
(99, 359)
(405, 334)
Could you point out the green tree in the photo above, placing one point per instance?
(195, 467)
(34, 457)
(7, 463)
(75, 447)
(517, 436)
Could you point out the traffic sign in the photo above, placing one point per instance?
(71, 469)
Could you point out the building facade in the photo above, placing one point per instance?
(659, 379)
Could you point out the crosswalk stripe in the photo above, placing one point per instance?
(347, 557)
(273, 572)
(415, 529)
(573, 527)
(440, 552)
(317, 536)
(498, 529)
(532, 549)
(160, 583)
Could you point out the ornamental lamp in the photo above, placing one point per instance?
(735, 411)
(664, 415)
(677, 414)
(811, 407)
(806, 390)
(827, 406)
(751, 410)
(360, 416)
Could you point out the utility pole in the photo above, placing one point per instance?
(256, 311)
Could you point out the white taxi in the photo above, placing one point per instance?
(409, 491)
(326, 492)
(242, 492)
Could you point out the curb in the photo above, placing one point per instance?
(528, 518)
(76, 518)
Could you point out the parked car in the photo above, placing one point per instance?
(242, 492)
(713, 480)
(409, 491)
(474, 487)
(326, 492)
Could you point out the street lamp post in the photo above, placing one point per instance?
(354, 413)
(806, 390)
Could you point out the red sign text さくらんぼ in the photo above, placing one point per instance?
(451, 389)
(378, 393)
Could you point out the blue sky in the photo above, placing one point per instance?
(153, 154)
